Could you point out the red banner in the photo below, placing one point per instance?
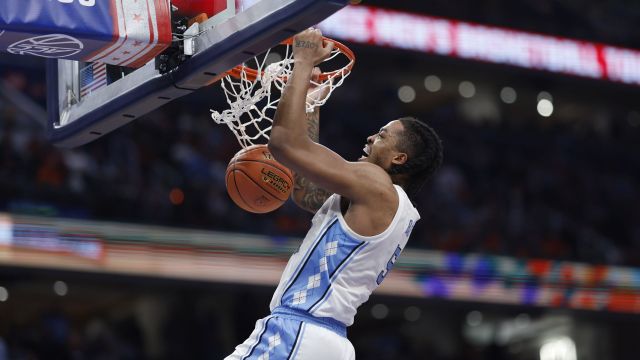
(375, 26)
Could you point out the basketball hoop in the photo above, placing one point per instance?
(248, 89)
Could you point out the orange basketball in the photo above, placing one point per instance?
(256, 182)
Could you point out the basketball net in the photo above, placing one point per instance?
(249, 91)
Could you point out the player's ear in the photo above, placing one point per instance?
(399, 159)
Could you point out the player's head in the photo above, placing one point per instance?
(408, 149)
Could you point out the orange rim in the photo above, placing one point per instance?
(252, 74)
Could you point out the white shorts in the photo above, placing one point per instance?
(290, 337)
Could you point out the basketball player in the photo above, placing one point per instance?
(363, 219)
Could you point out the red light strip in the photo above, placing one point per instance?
(375, 26)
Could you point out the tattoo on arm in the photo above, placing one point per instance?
(313, 125)
(305, 44)
(312, 196)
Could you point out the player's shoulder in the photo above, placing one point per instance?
(364, 168)
(374, 179)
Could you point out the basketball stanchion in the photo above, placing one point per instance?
(255, 180)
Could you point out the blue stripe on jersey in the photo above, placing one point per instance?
(326, 260)
(311, 249)
(278, 341)
(337, 272)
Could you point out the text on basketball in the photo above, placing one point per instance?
(275, 180)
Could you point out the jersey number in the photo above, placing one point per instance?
(390, 264)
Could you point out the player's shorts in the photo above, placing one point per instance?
(289, 334)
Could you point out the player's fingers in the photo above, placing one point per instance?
(311, 32)
(305, 34)
(315, 74)
(317, 34)
(328, 47)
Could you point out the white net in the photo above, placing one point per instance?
(254, 92)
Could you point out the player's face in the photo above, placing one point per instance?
(381, 147)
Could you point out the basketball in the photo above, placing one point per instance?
(256, 182)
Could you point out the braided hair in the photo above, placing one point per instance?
(424, 154)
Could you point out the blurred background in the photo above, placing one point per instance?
(528, 247)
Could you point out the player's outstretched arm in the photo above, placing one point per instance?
(362, 182)
(306, 194)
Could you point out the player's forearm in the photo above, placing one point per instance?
(306, 194)
(288, 131)
(313, 125)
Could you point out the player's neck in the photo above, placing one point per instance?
(401, 180)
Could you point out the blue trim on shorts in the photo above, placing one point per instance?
(300, 315)
(296, 343)
(259, 340)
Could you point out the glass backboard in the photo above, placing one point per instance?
(87, 100)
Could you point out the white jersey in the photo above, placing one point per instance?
(335, 270)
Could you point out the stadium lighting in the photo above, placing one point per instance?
(634, 118)
(467, 89)
(545, 95)
(432, 83)
(176, 196)
(522, 320)
(412, 313)
(508, 95)
(60, 288)
(474, 318)
(4, 294)
(273, 57)
(406, 94)
(561, 348)
(545, 107)
(379, 311)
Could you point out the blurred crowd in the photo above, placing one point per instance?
(526, 190)
(521, 187)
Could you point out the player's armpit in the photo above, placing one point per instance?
(361, 182)
(307, 195)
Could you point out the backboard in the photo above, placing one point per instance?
(88, 100)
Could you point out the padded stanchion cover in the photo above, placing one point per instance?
(118, 32)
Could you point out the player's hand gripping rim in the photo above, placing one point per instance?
(309, 47)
